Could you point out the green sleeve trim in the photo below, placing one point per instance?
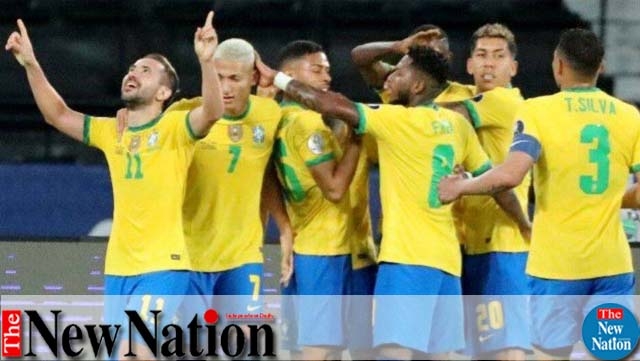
(362, 120)
(86, 129)
(635, 168)
(321, 159)
(192, 134)
(473, 113)
(483, 168)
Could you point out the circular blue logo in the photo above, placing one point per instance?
(610, 331)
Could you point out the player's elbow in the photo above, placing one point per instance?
(334, 195)
(510, 180)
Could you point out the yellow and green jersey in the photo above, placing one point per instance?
(303, 141)
(221, 210)
(584, 142)
(484, 227)
(417, 146)
(148, 168)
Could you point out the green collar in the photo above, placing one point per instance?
(147, 125)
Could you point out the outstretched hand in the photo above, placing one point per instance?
(20, 46)
(205, 40)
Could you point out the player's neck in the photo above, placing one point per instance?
(141, 116)
(577, 84)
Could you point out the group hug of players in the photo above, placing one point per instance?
(194, 181)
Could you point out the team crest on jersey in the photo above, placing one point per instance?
(134, 144)
(235, 132)
(153, 139)
(259, 134)
(518, 127)
(315, 143)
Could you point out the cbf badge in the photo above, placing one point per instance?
(258, 134)
(610, 331)
(153, 139)
(134, 144)
(235, 132)
(315, 143)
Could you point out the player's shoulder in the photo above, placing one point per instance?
(266, 106)
(184, 104)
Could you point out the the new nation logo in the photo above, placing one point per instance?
(610, 332)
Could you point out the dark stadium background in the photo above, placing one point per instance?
(55, 189)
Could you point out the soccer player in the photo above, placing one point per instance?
(578, 246)
(419, 240)
(146, 254)
(494, 251)
(316, 173)
(223, 225)
(370, 60)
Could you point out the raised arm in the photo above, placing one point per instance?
(205, 43)
(328, 103)
(369, 57)
(51, 105)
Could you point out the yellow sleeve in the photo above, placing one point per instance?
(185, 104)
(312, 139)
(380, 121)
(99, 132)
(475, 159)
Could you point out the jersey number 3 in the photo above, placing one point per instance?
(598, 155)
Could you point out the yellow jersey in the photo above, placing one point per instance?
(221, 210)
(148, 168)
(589, 141)
(484, 226)
(417, 146)
(303, 141)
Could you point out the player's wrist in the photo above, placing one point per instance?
(282, 80)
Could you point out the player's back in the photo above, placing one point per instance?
(589, 144)
(303, 141)
(222, 203)
(417, 146)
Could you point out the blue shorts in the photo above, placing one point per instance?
(419, 308)
(164, 291)
(558, 307)
(320, 282)
(495, 302)
(237, 290)
(288, 317)
(360, 309)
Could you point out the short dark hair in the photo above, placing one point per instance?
(430, 62)
(172, 76)
(495, 30)
(427, 27)
(296, 50)
(582, 50)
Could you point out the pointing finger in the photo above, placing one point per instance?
(209, 21)
(23, 28)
